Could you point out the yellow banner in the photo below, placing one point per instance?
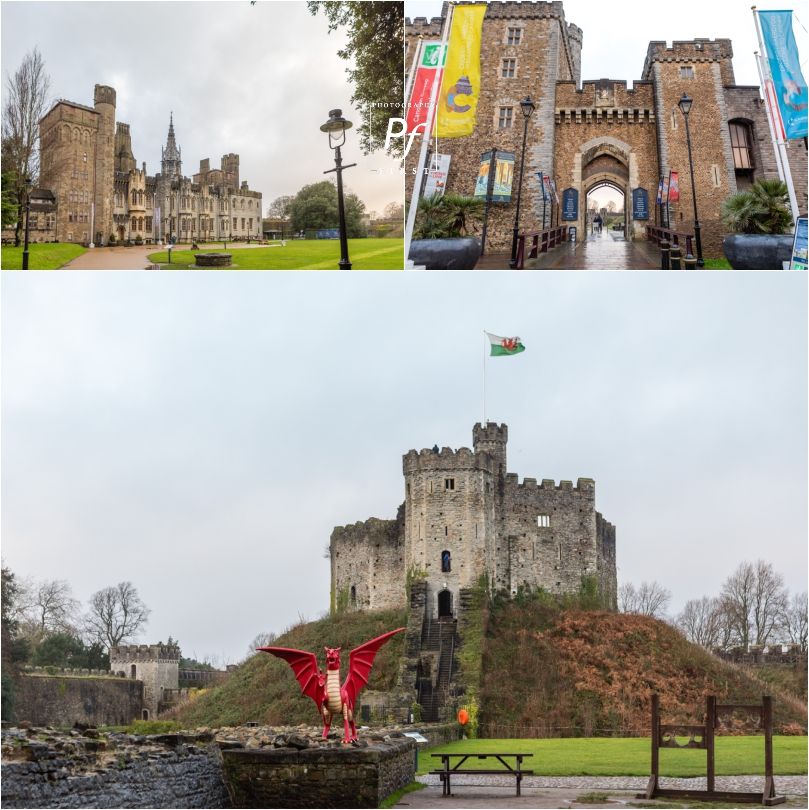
(461, 88)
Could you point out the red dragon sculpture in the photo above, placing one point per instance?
(325, 690)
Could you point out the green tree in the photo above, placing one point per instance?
(10, 210)
(66, 650)
(375, 32)
(315, 206)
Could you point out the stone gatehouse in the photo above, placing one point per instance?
(464, 516)
(95, 190)
(585, 133)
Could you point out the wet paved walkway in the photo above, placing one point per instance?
(133, 258)
(607, 250)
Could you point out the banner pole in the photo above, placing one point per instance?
(779, 130)
(769, 117)
(425, 139)
(412, 76)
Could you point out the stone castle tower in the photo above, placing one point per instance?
(156, 665)
(465, 516)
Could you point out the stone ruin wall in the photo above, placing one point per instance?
(369, 557)
(65, 698)
(606, 560)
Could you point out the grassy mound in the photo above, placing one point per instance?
(555, 672)
(264, 688)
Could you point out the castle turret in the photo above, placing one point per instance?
(104, 99)
(157, 665)
(492, 439)
(124, 159)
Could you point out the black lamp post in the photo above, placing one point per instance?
(28, 185)
(685, 108)
(527, 108)
(336, 126)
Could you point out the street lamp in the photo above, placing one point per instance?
(527, 108)
(336, 126)
(28, 186)
(685, 108)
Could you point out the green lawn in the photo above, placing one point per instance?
(365, 254)
(629, 757)
(717, 264)
(41, 256)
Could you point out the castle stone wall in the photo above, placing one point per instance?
(62, 700)
(606, 561)
(369, 558)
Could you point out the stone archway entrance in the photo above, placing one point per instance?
(605, 161)
(121, 233)
(605, 182)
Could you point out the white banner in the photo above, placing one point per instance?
(437, 177)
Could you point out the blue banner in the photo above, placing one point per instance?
(785, 66)
(328, 233)
(570, 204)
(640, 203)
(542, 186)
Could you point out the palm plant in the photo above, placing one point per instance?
(447, 216)
(761, 209)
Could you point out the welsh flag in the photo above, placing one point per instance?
(504, 346)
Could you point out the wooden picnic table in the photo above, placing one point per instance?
(447, 772)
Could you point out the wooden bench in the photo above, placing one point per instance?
(447, 772)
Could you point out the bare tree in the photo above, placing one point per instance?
(651, 599)
(48, 607)
(373, 215)
(794, 619)
(278, 207)
(754, 599)
(28, 96)
(700, 621)
(611, 206)
(394, 210)
(116, 614)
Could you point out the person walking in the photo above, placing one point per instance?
(598, 221)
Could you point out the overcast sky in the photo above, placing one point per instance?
(254, 80)
(201, 434)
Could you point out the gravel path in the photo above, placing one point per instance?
(789, 785)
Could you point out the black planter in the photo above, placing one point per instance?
(461, 253)
(757, 251)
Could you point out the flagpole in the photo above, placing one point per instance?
(769, 117)
(484, 379)
(412, 76)
(776, 114)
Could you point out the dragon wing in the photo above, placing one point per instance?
(304, 665)
(360, 661)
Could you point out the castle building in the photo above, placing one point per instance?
(590, 133)
(464, 516)
(157, 666)
(99, 192)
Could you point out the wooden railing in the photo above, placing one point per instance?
(541, 242)
(657, 235)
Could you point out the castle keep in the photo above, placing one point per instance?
(94, 189)
(465, 516)
(590, 133)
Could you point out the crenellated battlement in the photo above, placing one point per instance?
(104, 95)
(548, 484)
(144, 653)
(697, 50)
(446, 458)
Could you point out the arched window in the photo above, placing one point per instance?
(134, 223)
(66, 133)
(75, 135)
(193, 203)
(134, 672)
(140, 223)
(242, 205)
(446, 562)
(87, 137)
(140, 198)
(249, 203)
(234, 202)
(75, 156)
(134, 197)
(145, 714)
(85, 157)
(353, 594)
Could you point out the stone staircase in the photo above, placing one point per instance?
(440, 636)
